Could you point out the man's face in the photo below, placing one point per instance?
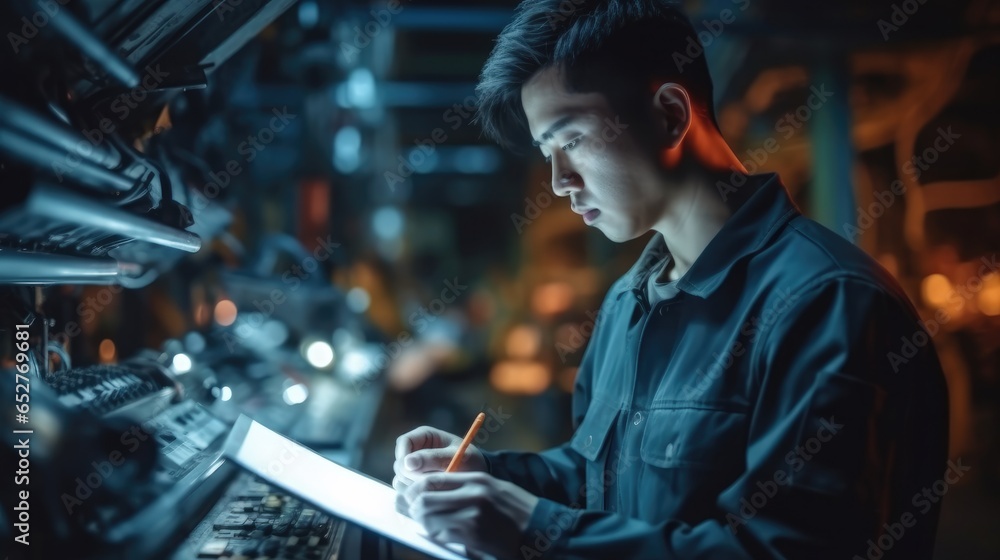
(610, 180)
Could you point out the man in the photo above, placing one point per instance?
(745, 393)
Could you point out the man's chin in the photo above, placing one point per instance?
(616, 235)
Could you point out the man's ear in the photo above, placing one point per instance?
(672, 108)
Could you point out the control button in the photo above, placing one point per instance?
(213, 548)
(637, 419)
(270, 547)
(251, 548)
(232, 521)
(271, 502)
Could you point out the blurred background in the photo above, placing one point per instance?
(355, 222)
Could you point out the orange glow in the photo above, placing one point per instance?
(989, 298)
(703, 143)
(552, 298)
(523, 341)
(225, 312)
(936, 289)
(201, 315)
(520, 378)
(106, 351)
(890, 262)
(566, 379)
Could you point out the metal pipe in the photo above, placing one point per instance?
(46, 156)
(55, 203)
(22, 118)
(73, 31)
(42, 268)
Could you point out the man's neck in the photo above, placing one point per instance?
(693, 217)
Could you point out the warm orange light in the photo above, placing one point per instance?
(523, 341)
(225, 312)
(520, 377)
(989, 298)
(201, 316)
(552, 298)
(936, 289)
(106, 351)
(566, 379)
(890, 262)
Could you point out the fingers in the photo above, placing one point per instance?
(428, 460)
(402, 506)
(447, 491)
(423, 437)
(450, 529)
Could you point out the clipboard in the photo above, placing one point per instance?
(333, 488)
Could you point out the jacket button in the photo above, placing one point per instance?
(588, 441)
(637, 419)
(670, 450)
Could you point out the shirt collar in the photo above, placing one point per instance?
(766, 208)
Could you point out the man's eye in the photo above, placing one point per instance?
(572, 144)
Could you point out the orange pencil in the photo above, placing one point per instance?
(465, 442)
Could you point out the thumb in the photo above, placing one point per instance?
(426, 460)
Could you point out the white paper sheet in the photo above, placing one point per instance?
(332, 488)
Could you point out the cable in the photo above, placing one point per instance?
(64, 359)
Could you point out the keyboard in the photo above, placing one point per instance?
(102, 389)
(256, 520)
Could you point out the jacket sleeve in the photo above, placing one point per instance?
(559, 473)
(842, 435)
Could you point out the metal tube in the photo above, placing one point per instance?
(46, 156)
(22, 118)
(70, 28)
(52, 202)
(42, 268)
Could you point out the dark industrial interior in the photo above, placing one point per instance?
(285, 209)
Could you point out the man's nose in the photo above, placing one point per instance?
(565, 180)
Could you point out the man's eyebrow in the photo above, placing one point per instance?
(562, 122)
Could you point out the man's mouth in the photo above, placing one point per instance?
(591, 215)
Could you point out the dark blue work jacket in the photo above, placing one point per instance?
(786, 403)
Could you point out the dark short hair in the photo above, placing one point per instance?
(621, 48)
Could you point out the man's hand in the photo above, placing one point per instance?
(426, 450)
(484, 513)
